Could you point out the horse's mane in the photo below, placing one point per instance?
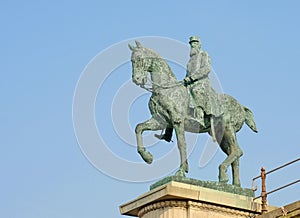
(143, 52)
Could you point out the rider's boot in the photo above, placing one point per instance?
(167, 136)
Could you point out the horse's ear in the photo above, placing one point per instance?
(138, 44)
(131, 47)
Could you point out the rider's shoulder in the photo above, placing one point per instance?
(204, 56)
(204, 53)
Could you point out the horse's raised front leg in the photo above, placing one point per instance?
(179, 129)
(151, 124)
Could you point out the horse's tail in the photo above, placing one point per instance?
(249, 119)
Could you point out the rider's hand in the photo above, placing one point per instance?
(187, 80)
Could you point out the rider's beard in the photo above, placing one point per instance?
(194, 51)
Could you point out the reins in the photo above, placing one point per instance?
(159, 86)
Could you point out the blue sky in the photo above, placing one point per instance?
(46, 45)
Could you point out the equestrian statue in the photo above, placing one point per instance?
(190, 105)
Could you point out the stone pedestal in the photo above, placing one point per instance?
(182, 200)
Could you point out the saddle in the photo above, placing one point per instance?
(214, 107)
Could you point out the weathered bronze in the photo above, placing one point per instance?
(172, 107)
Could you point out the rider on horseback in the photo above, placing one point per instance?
(204, 98)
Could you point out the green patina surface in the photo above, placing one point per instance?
(206, 184)
(190, 105)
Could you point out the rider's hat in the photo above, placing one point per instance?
(194, 39)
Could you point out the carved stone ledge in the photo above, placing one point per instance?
(163, 205)
(175, 199)
(228, 212)
(206, 184)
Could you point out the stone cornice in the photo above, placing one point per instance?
(162, 204)
(219, 209)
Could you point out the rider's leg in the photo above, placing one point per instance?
(169, 105)
(167, 136)
(199, 114)
(199, 100)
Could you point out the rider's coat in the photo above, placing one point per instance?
(203, 95)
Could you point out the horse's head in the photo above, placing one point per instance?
(141, 59)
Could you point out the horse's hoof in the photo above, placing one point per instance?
(223, 179)
(148, 158)
(238, 184)
(146, 155)
(180, 173)
(185, 167)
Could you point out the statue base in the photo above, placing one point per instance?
(206, 184)
(188, 198)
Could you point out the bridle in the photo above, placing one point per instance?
(159, 86)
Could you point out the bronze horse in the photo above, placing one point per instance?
(169, 106)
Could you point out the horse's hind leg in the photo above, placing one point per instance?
(151, 124)
(236, 172)
(230, 146)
